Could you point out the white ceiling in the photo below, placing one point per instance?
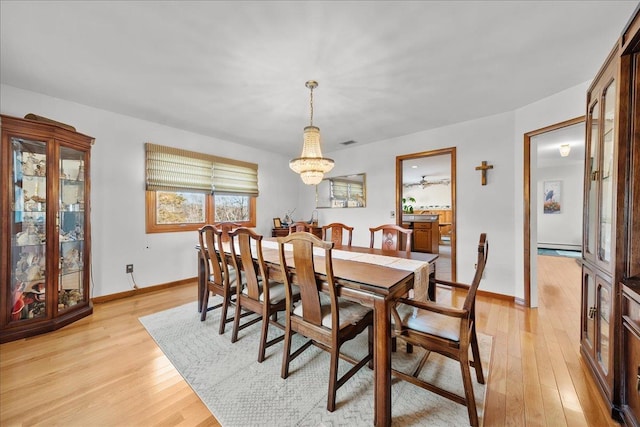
(236, 70)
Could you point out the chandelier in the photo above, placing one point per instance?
(311, 165)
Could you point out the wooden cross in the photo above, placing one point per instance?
(484, 168)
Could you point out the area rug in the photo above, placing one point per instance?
(239, 391)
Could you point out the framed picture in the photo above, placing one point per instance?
(552, 192)
(277, 223)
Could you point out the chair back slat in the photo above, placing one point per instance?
(337, 231)
(225, 228)
(242, 256)
(308, 283)
(391, 237)
(213, 267)
(300, 226)
(483, 254)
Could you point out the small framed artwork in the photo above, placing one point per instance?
(552, 193)
(277, 223)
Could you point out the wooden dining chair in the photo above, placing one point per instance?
(300, 226)
(337, 230)
(326, 320)
(259, 295)
(220, 280)
(226, 227)
(445, 330)
(391, 237)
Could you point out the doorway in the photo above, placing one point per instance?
(547, 170)
(427, 183)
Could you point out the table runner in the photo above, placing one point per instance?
(420, 268)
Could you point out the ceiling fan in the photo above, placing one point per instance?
(427, 182)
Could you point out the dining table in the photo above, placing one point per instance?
(372, 277)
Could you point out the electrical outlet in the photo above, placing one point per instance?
(129, 268)
(393, 214)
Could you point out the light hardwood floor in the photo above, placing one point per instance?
(105, 370)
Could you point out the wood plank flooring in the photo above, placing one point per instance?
(105, 370)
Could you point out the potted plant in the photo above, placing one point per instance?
(407, 204)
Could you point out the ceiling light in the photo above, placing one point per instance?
(565, 149)
(311, 165)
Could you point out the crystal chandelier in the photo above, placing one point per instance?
(311, 165)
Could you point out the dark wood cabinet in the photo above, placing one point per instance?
(610, 313)
(426, 237)
(281, 232)
(631, 352)
(46, 239)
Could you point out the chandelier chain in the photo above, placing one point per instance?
(311, 105)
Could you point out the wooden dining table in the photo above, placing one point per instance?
(372, 285)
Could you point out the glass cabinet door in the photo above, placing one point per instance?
(607, 168)
(28, 222)
(71, 228)
(589, 291)
(604, 317)
(591, 183)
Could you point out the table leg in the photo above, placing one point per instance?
(431, 291)
(382, 362)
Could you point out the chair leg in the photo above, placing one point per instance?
(468, 389)
(205, 303)
(333, 379)
(284, 373)
(263, 336)
(370, 334)
(476, 356)
(236, 321)
(223, 314)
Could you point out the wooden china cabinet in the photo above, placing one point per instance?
(610, 313)
(45, 246)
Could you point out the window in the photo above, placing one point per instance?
(186, 190)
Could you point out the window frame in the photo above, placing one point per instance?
(153, 227)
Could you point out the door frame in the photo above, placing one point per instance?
(438, 152)
(527, 198)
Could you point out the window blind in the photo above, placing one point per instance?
(235, 178)
(174, 169)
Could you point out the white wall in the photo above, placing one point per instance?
(496, 208)
(562, 230)
(480, 208)
(433, 195)
(563, 106)
(118, 196)
(118, 187)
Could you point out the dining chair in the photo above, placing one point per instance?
(391, 237)
(337, 230)
(226, 227)
(220, 280)
(259, 295)
(446, 330)
(300, 226)
(326, 320)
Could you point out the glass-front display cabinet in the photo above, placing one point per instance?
(599, 229)
(45, 226)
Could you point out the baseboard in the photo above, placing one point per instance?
(145, 290)
(561, 246)
(496, 296)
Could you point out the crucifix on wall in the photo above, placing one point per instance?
(484, 167)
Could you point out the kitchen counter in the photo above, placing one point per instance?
(426, 232)
(419, 218)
